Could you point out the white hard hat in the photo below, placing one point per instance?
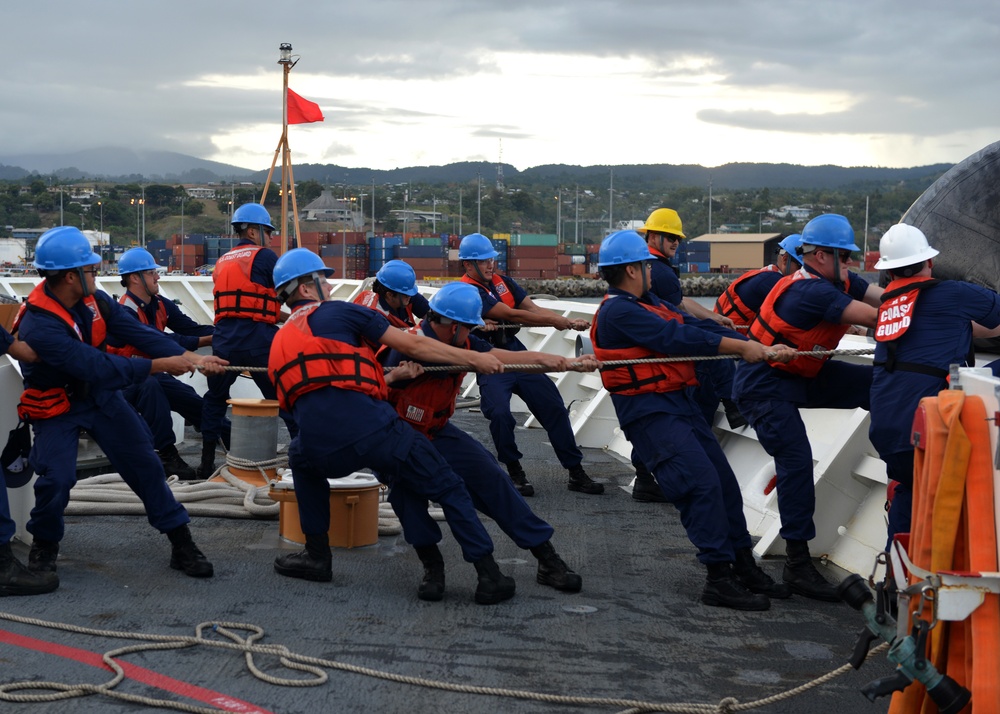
(903, 245)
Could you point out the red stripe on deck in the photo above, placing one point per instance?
(140, 674)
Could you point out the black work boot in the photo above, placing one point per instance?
(174, 465)
(42, 556)
(733, 416)
(802, 577)
(185, 556)
(520, 479)
(493, 585)
(15, 579)
(722, 589)
(645, 488)
(207, 467)
(553, 571)
(755, 579)
(580, 481)
(431, 588)
(314, 563)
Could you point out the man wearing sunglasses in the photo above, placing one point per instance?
(247, 313)
(811, 309)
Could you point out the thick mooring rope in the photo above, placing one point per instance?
(610, 364)
(315, 666)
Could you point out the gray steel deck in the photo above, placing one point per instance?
(647, 636)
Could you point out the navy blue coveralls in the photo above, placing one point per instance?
(538, 392)
(770, 399)
(715, 378)
(244, 342)
(753, 291)
(7, 525)
(666, 429)
(162, 393)
(492, 491)
(94, 381)
(342, 431)
(939, 335)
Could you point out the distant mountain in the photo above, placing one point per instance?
(129, 165)
(113, 163)
(727, 177)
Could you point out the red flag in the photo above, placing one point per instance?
(302, 111)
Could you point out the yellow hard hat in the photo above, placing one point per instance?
(664, 220)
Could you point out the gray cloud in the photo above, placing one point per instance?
(106, 73)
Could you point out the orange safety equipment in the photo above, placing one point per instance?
(500, 289)
(300, 362)
(370, 300)
(895, 315)
(428, 402)
(730, 305)
(644, 378)
(664, 220)
(236, 295)
(160, 324)
(769, 329)
(47, 403)
(954, 530)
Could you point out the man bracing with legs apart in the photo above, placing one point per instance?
(326, 375)
(505, 302)
(77, 385)
(811, 309)
(656, 408)
(426, 401)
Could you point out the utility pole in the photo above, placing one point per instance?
(576, 222)
(611, 201)
(143, 204)
(710, 205)
(559, 214)
(182, 234)
(479, 203)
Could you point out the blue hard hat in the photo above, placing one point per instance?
(622, 248)
(135, 260)
(252, 214)
(398, 277)
(829, 230)
(296, 263)
(459, 302)
(476, 246)
(790, 244)
(63, 248)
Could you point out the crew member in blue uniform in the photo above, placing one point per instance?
(742, 298)
(664, 232)
(162, 393)
(810, 309)
(77, 385)
(323, 365)
(394, 294)
(659, 415)
(247, 314)
(924, 326)
(426, 401)
(506, 302)
(15, 578)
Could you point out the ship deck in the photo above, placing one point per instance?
(637, 631)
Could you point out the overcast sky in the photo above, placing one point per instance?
(428, 82)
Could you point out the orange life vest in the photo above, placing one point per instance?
(236, 295)
(160, 324)
(896, 311)
(47, 403)
(731, 305)
(770, 329)
(370, 299)
(499, 290)
(428, 402)
(301, 362)
(648, 377)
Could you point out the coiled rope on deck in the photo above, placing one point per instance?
(249, 646)
(609, 364)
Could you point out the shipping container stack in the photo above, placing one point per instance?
(427, 256)
(382, 249)
(187, 254)
(534, 256)
(693, 257)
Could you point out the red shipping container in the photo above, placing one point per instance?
(520, 264)
(532, 251)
